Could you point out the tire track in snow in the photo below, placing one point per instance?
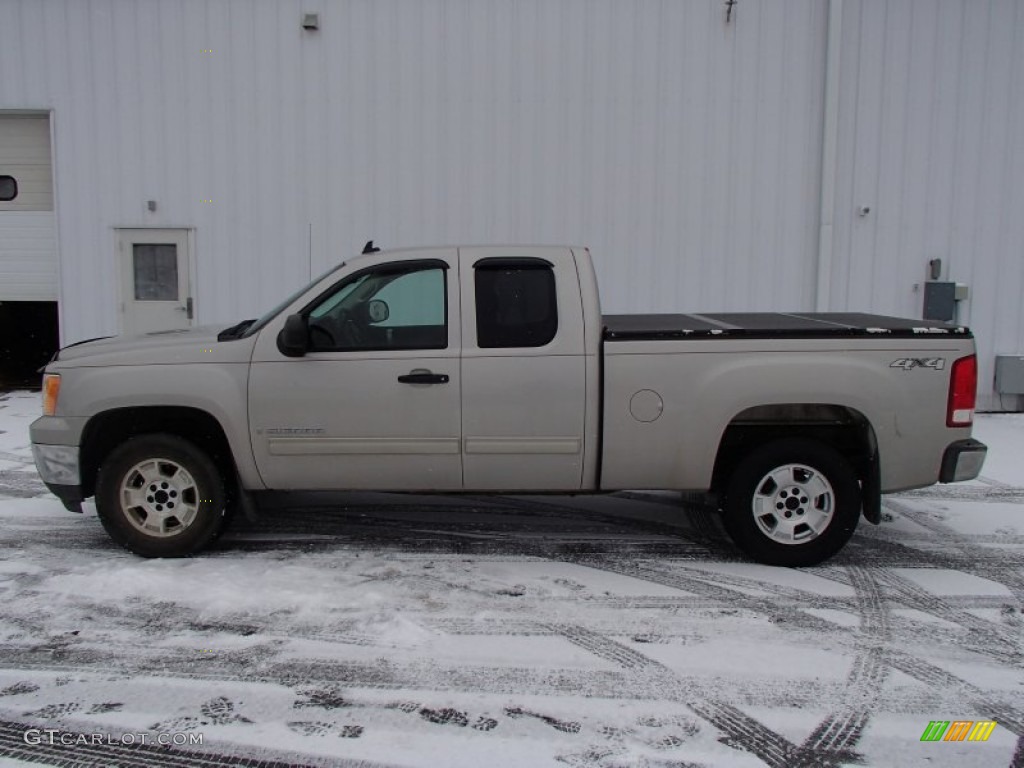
(662, 574)
(599, 683)
(607, 649)
(840, 731)
(911, 666)
(1017, 761)
(21, 483)
(695, 524)
(981, 701)
(17, 458)
(832, 740)
(993, 493)
(988, 638)
(986, 703)
(813, 600)
(1004, 569)
(985, 637)
(740, 730)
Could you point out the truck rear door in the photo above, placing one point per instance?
(523, 369)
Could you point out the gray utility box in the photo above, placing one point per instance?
(939, 301)
(1010, 374)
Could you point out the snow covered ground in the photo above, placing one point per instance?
(366, 630)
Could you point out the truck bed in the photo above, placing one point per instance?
(770, 325)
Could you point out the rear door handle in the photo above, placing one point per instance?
(424, 377)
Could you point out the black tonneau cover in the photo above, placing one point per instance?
(770, 325)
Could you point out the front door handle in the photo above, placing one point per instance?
(424, 377)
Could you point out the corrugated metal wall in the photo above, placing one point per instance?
(684, 150)
(681, 149)
(932, 141)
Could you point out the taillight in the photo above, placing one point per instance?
(51, 388)
(963, 392)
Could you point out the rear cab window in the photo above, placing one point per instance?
(516, 304)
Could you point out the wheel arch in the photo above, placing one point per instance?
(106, 430)
(844, 428)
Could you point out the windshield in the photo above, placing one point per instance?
(270, 315)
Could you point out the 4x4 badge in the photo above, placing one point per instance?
(909, 363)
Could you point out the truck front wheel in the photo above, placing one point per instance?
(158, 495)
(792, 502)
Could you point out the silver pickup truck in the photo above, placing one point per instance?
(491, 369)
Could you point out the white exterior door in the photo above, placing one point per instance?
(155, 288)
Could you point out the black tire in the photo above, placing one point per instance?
(158, 495)
(792, 502)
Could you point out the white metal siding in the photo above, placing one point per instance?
(685, 151)
(932, 141)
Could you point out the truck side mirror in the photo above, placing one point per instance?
(378, 311)
(293, 340)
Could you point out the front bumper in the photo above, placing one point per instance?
(962, 461)
(70, 496)
(58, 467)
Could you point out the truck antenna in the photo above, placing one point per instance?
(369, 247)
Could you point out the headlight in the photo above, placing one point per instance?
(51, 388)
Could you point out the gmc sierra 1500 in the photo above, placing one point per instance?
(492, 369)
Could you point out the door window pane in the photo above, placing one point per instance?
(515, 305)
(415, 298)
(8, 188)
(395, 306)
(156, 271)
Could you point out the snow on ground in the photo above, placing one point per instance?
(368, 629)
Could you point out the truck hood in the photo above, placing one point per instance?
(190, 345)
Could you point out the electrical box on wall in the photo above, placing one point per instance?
(1010, 374)
(940, 301)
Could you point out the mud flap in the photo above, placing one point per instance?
(246, 502)
(871, 491)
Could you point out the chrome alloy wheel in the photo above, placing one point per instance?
(793, 504)
(159, 497)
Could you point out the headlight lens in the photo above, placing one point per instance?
(51, 388)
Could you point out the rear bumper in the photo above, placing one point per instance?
(962, 461)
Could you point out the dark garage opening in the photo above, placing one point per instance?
(28, 338)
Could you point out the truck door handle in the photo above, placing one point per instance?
(424, 377)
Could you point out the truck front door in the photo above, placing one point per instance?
(523, 370)
(374, 403)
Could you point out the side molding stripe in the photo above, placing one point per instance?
(347, 446)
(523, 445)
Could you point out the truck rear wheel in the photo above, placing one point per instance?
(792, 502)
(159, 495)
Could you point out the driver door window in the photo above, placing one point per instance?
(390, 307)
